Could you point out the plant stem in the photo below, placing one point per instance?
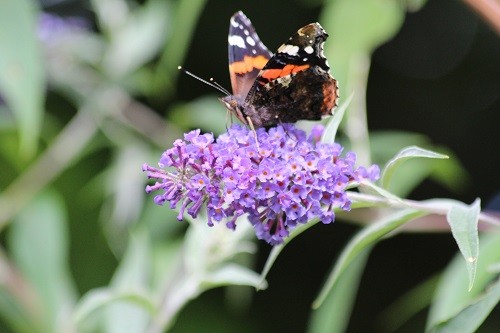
(431, 206)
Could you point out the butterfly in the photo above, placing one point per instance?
(293, 84)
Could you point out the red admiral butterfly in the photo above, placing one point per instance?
(293, 84)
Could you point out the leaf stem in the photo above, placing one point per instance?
(435, 206)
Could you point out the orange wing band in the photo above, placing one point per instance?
(248, 64)
(272, 74)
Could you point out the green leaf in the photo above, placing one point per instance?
(207, 248)
(232, 274)
(471, 317)
(96, 300)
(132, 278)
(205, 112)
(385, 144)
(357, 27)
(463, 222)
(334, 122)
(137, 40)
(370, 22)
(38, 240)
(452, 295)
(449, 171)
(408, 305)
(372, 188)
(333, 315)
(402, 156)
(365, 238)
(22, 80)
(185, 16)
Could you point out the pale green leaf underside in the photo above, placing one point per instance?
(463, 222)
(97, 299)
(471, 317)
(404, 155)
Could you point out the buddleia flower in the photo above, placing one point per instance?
(287, 179)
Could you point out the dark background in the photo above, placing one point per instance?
(439, 76)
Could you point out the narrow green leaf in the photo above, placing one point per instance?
(97, 299)
(206, 248)
(384, 145)
(185, 16)
(408, 305)
(131, 282)
(21, 65)
(370, 187)
(366, 237)
(204, 112)
(38, 240)
(333, 124)
(402, 156)
(134, 271)
(452, 296)
(470, 318)
(232, 275)
(137, 40)
(447, 172)
(333, 315)
(357, 28)
(463, 222)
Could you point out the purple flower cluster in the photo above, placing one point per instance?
(284, 180)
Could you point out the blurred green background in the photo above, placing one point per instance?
(432, 77)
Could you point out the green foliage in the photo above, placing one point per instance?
(362, 241)
(22, 82)
(333, 316)
(454, 303)
(463, 223)
(38, 243)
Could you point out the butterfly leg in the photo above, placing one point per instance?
(254, 133)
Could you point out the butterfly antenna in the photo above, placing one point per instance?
(221, 88)
(210, 83)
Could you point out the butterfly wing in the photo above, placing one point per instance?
(247, 54)
(296, 82)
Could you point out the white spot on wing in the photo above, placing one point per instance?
(246, 32)
(289, 49)
(309, 49)
(234, 23)
(250, 41)
(236, 41)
